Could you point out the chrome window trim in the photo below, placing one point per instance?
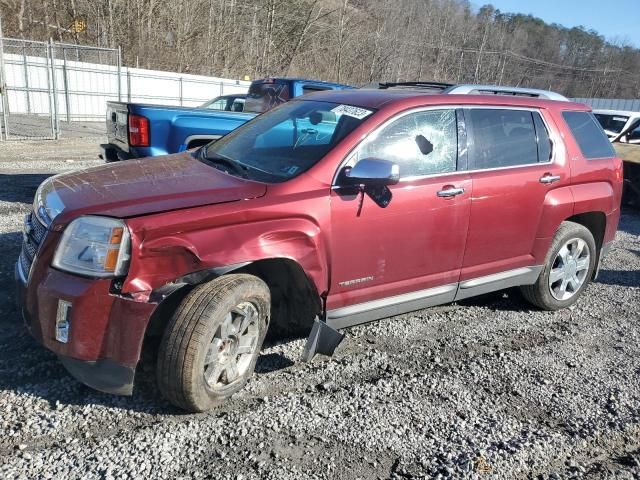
(551, 134)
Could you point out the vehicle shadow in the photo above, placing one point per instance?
(620, 278)
(510, 300)
(630, 220)
(20, 187)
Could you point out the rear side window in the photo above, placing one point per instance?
(313, 88)
(589, 134)
(505, 138)
(264, 96)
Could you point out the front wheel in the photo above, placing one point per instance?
(567, 270)
(210, 347)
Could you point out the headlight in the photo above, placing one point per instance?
(47, 204)
(94, 246)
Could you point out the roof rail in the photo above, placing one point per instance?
(499, 90)
(428, 85)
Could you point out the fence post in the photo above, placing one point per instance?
(50, 93)
(180, 89)
(221, 87)
(65, 82)
(119, 73)
(26, 77)
(128, 86)
(3, 89)
(56, 133)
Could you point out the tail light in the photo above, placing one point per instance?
(138, 131)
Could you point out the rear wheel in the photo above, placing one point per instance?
(567, 270)
(210, 347)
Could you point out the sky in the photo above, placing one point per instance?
(620, 18)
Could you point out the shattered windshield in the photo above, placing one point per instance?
(286, 141)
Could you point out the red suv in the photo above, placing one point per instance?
(343, 207)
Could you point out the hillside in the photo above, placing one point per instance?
(353, 41)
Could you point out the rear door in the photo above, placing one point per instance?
(411, 248)
(513, 166)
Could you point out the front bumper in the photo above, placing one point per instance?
(106, 330)
(103, 375)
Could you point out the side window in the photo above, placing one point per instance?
(218, 104)
(313, 88)
(421, 143)
(542, 136)
(589, 134)
(502, 137)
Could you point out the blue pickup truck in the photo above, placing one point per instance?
(136, 130)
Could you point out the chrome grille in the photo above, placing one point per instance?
(33, 235)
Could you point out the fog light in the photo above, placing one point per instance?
(63, 321)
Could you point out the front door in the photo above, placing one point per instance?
(413, 247)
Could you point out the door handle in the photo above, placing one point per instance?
(548, 178)
(450, 192)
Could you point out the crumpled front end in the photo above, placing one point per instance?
(96, 333)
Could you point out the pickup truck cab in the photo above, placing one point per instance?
(400, 201)
(136, 130)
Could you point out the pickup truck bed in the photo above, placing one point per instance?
(174, 129)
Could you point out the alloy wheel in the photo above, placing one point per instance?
(569, 270)
(233, 345)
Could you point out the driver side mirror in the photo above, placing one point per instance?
(372, 172)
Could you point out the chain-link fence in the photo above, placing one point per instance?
(52, 89)
(27, 96)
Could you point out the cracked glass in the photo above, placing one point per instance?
(421, 143)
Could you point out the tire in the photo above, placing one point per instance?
(567, 255)
(219, 324)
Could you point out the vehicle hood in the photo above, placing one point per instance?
(150, 185)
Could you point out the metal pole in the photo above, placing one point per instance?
(128, 86)
(3, 88)
(26, 76)
(50, 92)
(180, 89)
(119, 73)
(65, 81)
(55, 91)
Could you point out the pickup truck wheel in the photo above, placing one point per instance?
(210, 347)
(567, 269)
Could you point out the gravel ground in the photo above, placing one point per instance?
(484, 389)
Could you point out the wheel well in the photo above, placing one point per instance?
(294, 299)
(595, 222)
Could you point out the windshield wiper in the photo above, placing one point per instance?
(222, 161)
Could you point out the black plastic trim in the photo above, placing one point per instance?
(103, 375)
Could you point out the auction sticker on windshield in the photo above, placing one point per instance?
(350, 110)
